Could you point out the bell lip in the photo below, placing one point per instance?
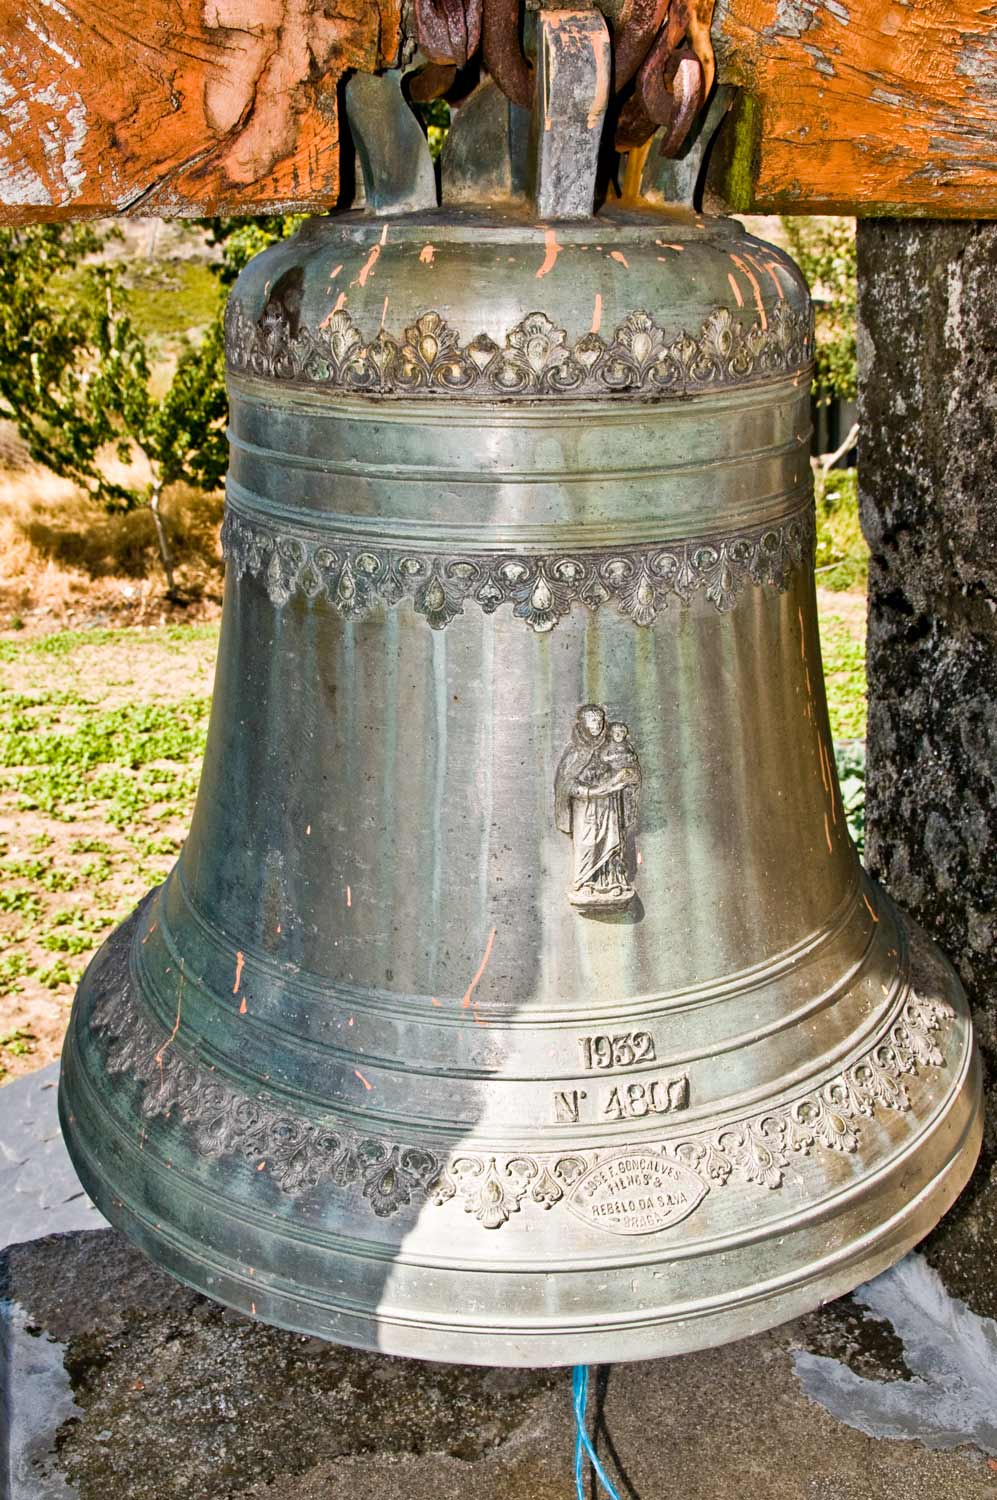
(685, 1329)
(835, 1203)
(740, 1311)
(109, 1003)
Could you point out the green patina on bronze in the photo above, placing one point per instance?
(518, 997)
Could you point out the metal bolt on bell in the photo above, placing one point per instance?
(518, 996)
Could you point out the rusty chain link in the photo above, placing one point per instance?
(634, 38)
(668, 92)
(503, 52)
(670, 81)
(448, 31)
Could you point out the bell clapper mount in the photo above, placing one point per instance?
(574, 103)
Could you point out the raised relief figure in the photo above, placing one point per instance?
(596, 792)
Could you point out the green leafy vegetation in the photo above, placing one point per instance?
(435, 118)
(22, 900)
(65, 642)
(16, 1043)
(241, 239)
(842, 554)
(59, 974)
(824, 249)
(844, 672)
(13, 968)
(102, 735)
(164, 301)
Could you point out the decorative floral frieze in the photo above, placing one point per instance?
(492, 1189)
(388, 1175)
(535, 359)
(296, 1154)
(354, 577)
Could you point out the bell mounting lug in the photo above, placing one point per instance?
(398, 172)
(572, 83)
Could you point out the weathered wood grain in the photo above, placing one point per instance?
(227, 106)
(868, 106)
(177, 106)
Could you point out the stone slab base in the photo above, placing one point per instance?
(166, 1395)
(40, 1192)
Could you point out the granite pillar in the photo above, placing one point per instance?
(928, 494)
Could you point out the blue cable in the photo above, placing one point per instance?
(583, 1443)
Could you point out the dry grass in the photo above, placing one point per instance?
(64, 561)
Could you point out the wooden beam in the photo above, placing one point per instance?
(885, 107)
(178, 106)
(230, 106)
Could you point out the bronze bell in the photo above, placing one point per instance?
(518, 997)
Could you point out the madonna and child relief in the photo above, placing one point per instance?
(596, 792)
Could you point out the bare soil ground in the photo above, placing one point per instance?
(101, 738)
(849, 607)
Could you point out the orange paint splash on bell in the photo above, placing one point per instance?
(176, 1027)
(770, 267)
(746, 271)
(337, 306)
(551, 252)
(367, 269)
(481, 968)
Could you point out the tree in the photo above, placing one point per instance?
(241, 239)
(824, 248)
(75, 377)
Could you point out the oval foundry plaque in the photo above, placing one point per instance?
(637, 1192)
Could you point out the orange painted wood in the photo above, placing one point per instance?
(177, 106)
(863, 106)
(228, 106)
